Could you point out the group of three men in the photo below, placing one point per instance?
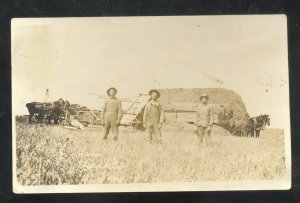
(153, 117)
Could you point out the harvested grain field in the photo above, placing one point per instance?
(49, 155)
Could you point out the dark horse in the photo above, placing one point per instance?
(50, 111)
(59, 110)
(36, 108)
(256, 124)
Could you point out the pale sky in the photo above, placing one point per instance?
(76, 56)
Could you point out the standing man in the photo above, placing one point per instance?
(153, 117)
(111, 114)
(204, 120)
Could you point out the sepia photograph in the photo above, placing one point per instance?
(145, 104)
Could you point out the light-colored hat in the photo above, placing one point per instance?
(157, 92)
(204, 95)
(107, 91)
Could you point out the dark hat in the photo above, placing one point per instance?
(157, 92)
(204, 95)
(107, 91)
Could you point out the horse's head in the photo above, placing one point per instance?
(263, 120)
(62, 102)
(267, 119)
(67, 103)
(61, 105)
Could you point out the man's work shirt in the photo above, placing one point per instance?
(204, 115)
(112, 108)
(153, 113)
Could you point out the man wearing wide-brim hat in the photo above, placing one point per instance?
(153, 118)
(204, 120)
(111, 114)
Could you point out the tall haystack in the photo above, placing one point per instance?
(222, 100)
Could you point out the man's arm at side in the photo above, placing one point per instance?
(103, 110)
(119, 111)
(145, 114)
(162, 116)
(197, 118)
(211, 116)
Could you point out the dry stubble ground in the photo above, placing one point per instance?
(55, 155)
